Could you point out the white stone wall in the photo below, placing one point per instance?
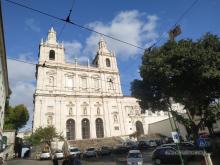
(163, 127)
(10, 134)
(2, 95)
(3, 86)
(63, 86)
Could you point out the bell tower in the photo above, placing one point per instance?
(50, 50)
(105, 59)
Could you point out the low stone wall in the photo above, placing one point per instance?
(8, 153)
(96, 143)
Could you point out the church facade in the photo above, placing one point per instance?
(85, 101)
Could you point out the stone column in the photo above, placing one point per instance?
(78, 126)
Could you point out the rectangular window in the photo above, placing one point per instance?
(116, 128)
(96, 84)
(129, 110)
(69, 82)
(84, 83)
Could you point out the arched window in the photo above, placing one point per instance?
(108, 64)
(52, 55)
(139, 128)
(85, 129)
(70, 129)
(99, 128)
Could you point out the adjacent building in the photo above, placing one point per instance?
(4, 84)
(85, 101)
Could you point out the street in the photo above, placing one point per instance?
(112, 160)
(47, 162)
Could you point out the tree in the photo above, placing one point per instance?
(45, 135)
(187, 72)
(16, 117)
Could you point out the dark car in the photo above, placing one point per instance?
(104, 150)
(120, 149)
(182, 146)
(143, 145)
(167, 155)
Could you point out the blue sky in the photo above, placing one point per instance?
(139, 22)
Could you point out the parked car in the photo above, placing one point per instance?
(182, 146)
(75, 151)
(104, 150)
(58, 154)
(90, 152)
(134, 158)
(188, 146)
(152, 143)
(120, 149)
(167, 154)
(130, 145)
(45, 155)
(143, 145)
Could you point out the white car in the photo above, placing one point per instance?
(75, 151)
(58, 154)
(45, 155)
(90, 152)
(134, 158)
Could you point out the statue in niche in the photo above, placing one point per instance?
(49, 120)
(84, 110)
(51, 81)
(115, 118)
(98, 111)
(70, 111)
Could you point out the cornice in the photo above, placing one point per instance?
(77, 96)
(78, 68)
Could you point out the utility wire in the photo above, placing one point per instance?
(61, 31)
(176, 23)
(23, 61)
(185, 12)
(44, 65)
(73, 23)
(68, 18)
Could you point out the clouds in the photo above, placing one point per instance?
(32, 25)
(22, 81)
(72, 50)
(130, 26)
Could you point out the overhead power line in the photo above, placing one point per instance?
(173, 26)
(44, 65)
(185, 12)
(74, 23)
(19, 60)
(67, 20)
